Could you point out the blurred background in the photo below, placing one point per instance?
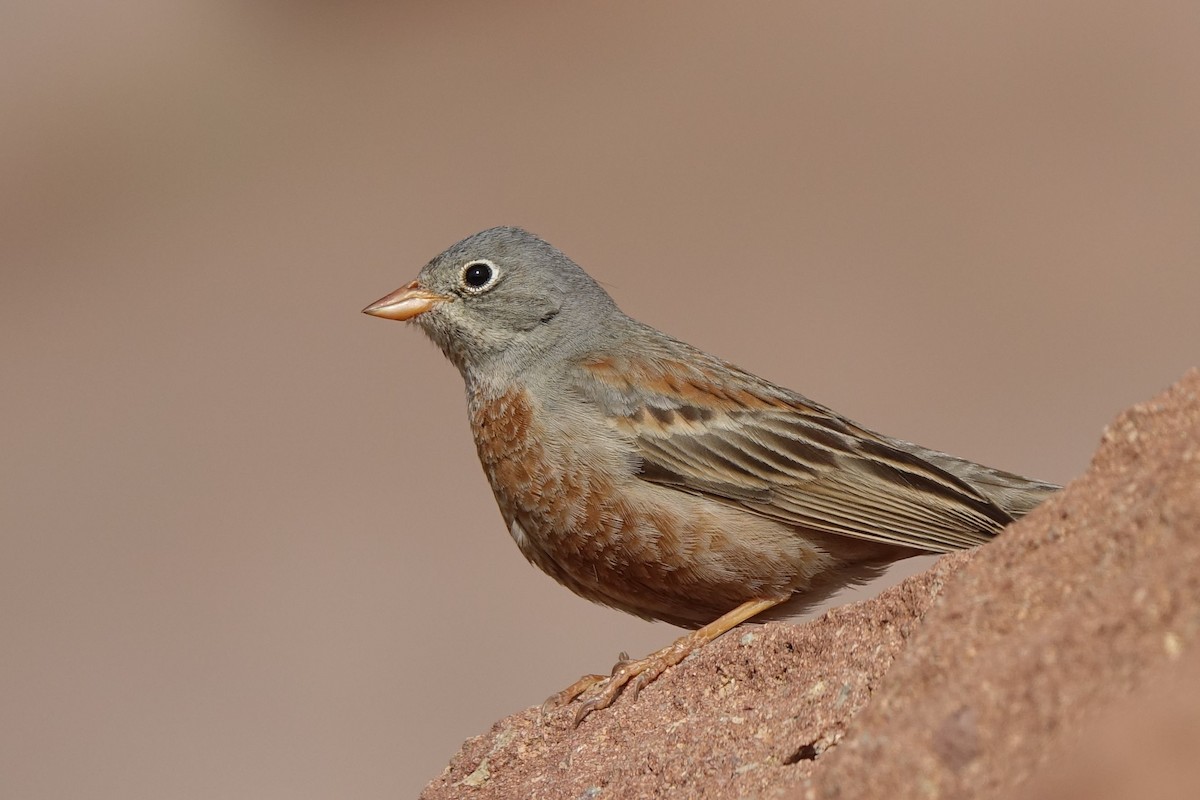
(247, 549)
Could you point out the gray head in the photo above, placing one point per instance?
(500, 300)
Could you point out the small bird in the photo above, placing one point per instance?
(647, 475)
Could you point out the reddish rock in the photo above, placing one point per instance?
(978, 678)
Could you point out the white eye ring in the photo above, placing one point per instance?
(478, 275)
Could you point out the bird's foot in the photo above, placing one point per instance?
(579, 687)
(595, 692)
(630, 676)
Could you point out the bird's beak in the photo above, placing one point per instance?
(405, 303)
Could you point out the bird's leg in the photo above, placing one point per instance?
(637, 674)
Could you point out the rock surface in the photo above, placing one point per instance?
(1019, 669)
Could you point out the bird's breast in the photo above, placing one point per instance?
(560, 491)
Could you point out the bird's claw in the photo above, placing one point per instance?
(576, 689)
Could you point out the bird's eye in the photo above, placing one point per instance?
(478, 275)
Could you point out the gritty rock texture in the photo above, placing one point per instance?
(978, 678)
(1144, 746)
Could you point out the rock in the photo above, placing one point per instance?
(977, 678)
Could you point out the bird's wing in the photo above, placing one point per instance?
(705, 427)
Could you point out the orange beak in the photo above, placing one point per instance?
(405, 303)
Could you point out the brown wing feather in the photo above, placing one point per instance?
(703, 426)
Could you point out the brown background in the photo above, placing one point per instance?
(247, 551)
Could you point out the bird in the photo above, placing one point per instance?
(647, 475)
